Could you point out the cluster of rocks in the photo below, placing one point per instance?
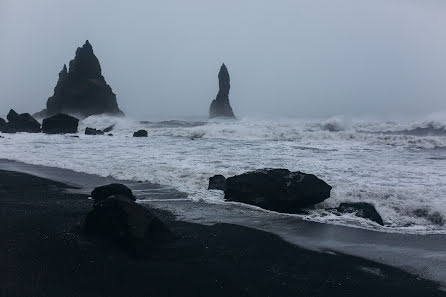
(284, 191)
(117, 217)
(57, 124)
(19, 123)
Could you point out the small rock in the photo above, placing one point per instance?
(361, 209)
(92, 131)
(141, 133)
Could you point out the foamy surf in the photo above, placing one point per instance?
(403, 175)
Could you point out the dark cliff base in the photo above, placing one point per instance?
(44, 253)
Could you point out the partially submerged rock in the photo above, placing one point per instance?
(140, 133)
(220, 106)
(108, 129)
(92, 131)
(101, 193)
(126, 223)
(60, 124)
(361, 209)
(82, 90)
(217, 182)
(21, 123)
(277, 189)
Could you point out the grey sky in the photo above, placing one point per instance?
(301, 57)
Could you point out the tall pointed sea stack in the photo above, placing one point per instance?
(82, 90)
(220, 107)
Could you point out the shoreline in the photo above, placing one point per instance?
(47, 254)
(422, 255)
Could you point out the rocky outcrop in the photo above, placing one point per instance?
(140, 133)
(361, 209)
(220, 106)
(277, 189)
(217, 182)
(82, 90)
(20, 123)
(92, 131)
(116, 217)
(60, 124)
(101, 193)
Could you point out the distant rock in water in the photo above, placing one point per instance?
(60, 124)
(82, 90)
(20, 123)
(220, 106)
(92, 131)
(140, 133)
(277, 189)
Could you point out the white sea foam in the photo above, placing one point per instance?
(403, 175)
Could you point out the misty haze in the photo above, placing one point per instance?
(223, 148)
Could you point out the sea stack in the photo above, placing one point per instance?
(82, 90)
(220, 106)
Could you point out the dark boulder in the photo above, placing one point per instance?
(141, 133)
(82, 90)
(60, 124)
(277, 189)
(220, 106)
(110, 134)
(92, 131)
(217, 182)
(126, 223)
(21, 123)
(101, 193)
(361, 209)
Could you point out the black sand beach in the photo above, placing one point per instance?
(44, 253)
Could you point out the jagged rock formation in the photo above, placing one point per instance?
(20, 123)
(220, 106)
(81, 89)
(60, 124)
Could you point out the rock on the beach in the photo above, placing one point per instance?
(92, 131)
(82, 90)
(21, 123)
(220, 106)
(128, 224)
(101, 193)
(361, 209)
(217, 182)
(60, 124)
(277, 189)
(140, 133)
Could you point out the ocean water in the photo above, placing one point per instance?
(399, 166)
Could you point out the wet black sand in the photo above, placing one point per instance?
(44, 253)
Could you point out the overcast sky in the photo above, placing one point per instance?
(297, 57)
